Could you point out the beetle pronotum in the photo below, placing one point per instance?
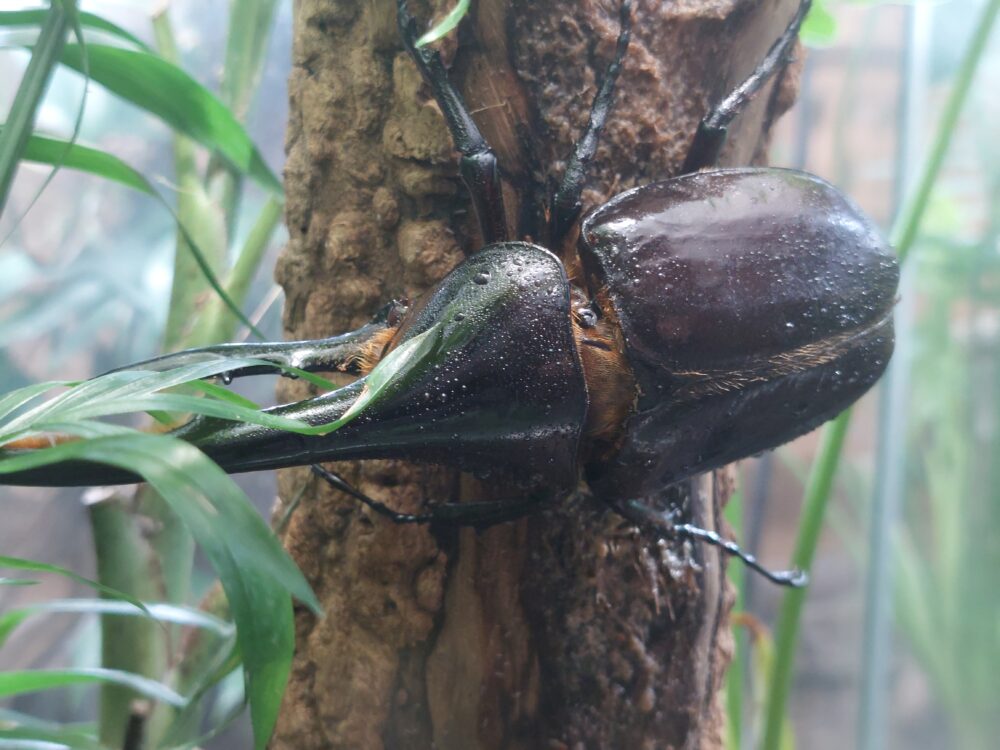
(711, 316)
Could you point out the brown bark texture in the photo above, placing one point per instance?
(567, 629)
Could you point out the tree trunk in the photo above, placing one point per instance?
(566, 629)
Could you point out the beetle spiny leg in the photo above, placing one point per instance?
(642, 515)
(478, 515)
(795, 578)
(346, 487)
(712, 129)
(566, 204)
(478, 165)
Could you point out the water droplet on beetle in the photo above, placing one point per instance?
(481, 278)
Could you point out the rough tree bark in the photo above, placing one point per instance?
(562, 630)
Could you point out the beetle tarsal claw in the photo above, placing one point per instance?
(660, 522)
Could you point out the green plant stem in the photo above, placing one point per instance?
(821, 474)
(127, 643)
(189, 290)
(735, 676)
(21, 118)
(218, 324)
(908, 222)
(817, 493)
(250, 23)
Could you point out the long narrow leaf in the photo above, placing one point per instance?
(92, 21)
(27, 738)
(45, 150)
(166, 91)
(255, 571)
(33, 681)
(185, 616)
(60, 153)
(18, 563)
(21, 117)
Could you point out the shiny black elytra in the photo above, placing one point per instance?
(722, 313)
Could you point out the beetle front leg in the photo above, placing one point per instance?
(479, 515)
(714, 126)
(657, 521)
(478, 165)
(566, 204)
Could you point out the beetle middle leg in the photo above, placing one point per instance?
(478, 165)
(480, 515)
(714, 126)
(659, 522)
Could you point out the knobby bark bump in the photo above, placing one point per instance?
(566, 629)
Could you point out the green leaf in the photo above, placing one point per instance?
(60, 153)
(169, 93)
(185, 616)
(19, 563)
(34, 82)
(33, 681)
(449, 22)
(19, 727)
(391, 371)
(819, 29)
(63, 153)
(255, 571)
(17, 581)
(92, 21)
(124, 390)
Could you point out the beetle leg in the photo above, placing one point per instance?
(657, 521)
(478, 165)
(712, 129)
(566, 204)
(476, 514)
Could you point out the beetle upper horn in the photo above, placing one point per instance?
(498, 386)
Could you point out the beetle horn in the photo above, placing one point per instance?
(482, 374)
(347, 352)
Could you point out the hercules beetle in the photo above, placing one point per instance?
(721, 313)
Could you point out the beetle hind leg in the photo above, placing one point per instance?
(479, 515)
(648, 518)
(712, 129)
(478, 165)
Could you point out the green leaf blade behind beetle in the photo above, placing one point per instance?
(166, 91)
